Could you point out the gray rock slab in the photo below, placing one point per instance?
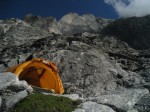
(121, 100)
(94, 107)
(7, 79)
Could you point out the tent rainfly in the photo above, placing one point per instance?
(40, 73)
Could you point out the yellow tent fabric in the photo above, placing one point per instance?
(41, 73)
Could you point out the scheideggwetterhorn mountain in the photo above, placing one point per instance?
(97, 58)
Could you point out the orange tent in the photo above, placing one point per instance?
(41, 73)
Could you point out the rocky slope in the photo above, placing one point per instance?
(97, 67)
(88, 59)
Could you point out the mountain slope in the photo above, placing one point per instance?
(90, 64)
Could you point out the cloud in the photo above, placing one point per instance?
(130, 8)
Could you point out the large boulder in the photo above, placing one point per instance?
(93, 73)
(84, 72)
(7, 79)
(18, 86)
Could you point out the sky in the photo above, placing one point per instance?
(112, 9)
(55, 8)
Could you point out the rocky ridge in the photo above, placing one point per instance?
(95, 66)
(69, 24)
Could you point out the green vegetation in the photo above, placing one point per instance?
(46, 103)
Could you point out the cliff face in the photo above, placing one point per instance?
(92, 54)
(135, 31)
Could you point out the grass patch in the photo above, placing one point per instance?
(45, 103)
